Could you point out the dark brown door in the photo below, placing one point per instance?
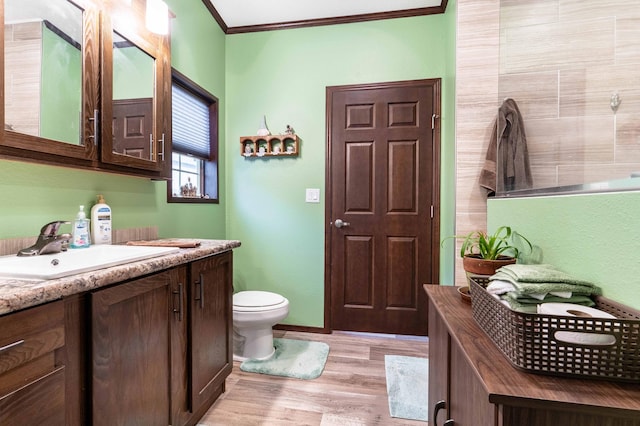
(132, 126)
(382, 192)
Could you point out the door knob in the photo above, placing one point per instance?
(339, 223)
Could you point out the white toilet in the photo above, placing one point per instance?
(254, 315)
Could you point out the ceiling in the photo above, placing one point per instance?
(235, 16)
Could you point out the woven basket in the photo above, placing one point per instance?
(528, 340)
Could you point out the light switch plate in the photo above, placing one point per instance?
(312, 195)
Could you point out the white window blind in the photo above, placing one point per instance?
(191, 123)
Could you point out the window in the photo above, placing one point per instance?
(194, 174)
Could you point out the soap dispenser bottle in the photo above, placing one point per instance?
(80, 232)
(101, 222)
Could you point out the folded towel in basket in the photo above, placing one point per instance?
(541, 274)
(524, 304)
(501, 287)
(542, 287)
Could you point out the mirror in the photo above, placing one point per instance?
(43, 69)
(136, 84)
(572, 70)
(133, 89)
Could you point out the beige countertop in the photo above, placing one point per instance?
(21, 294)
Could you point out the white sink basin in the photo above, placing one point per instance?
(75, 261)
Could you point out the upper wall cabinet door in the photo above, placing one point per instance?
(51, 67)
(136, 91)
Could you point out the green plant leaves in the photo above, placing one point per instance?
(500, 243)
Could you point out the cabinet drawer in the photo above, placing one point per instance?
(29, 334)
(39, 402)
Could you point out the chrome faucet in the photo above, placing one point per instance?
(49, 241)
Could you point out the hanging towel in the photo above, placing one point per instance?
(506, 165)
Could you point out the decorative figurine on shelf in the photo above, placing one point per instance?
(276, 150)
(261, 151)
(289, 130)
(263, 130)
(188, 189)
(248, 150)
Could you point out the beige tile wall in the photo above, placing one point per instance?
(11, 246)
(23, 47)
(561, 60)
(477, 65)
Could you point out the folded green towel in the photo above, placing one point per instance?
(514, 305)
(518, 300)
(541, 274)
(545, 287)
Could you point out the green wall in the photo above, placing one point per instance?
(60, 90)
(592, 236)
(198, 51)
(35, 194)
(284, 75)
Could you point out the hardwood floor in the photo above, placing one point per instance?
(351, 390)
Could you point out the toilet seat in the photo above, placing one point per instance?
(253, 301)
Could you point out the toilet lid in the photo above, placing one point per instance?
(255, 299)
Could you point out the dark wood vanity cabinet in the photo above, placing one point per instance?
(161, 345)
(472, 383)
(152, 350)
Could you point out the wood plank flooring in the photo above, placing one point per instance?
(350, 392)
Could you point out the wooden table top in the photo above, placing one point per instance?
(508, 385)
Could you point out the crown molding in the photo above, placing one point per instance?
(323, 21)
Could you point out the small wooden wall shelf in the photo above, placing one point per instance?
(270, 146)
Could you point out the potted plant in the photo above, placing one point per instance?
(483, 253)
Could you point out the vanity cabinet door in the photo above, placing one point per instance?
(180, 402)
(211, 328)
(468, 401)
(131, 347)
(438, 367)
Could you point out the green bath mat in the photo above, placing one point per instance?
(407, 386)
(299, 359)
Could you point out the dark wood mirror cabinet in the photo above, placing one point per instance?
(123, 118)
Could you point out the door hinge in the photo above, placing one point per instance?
(433, 121)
